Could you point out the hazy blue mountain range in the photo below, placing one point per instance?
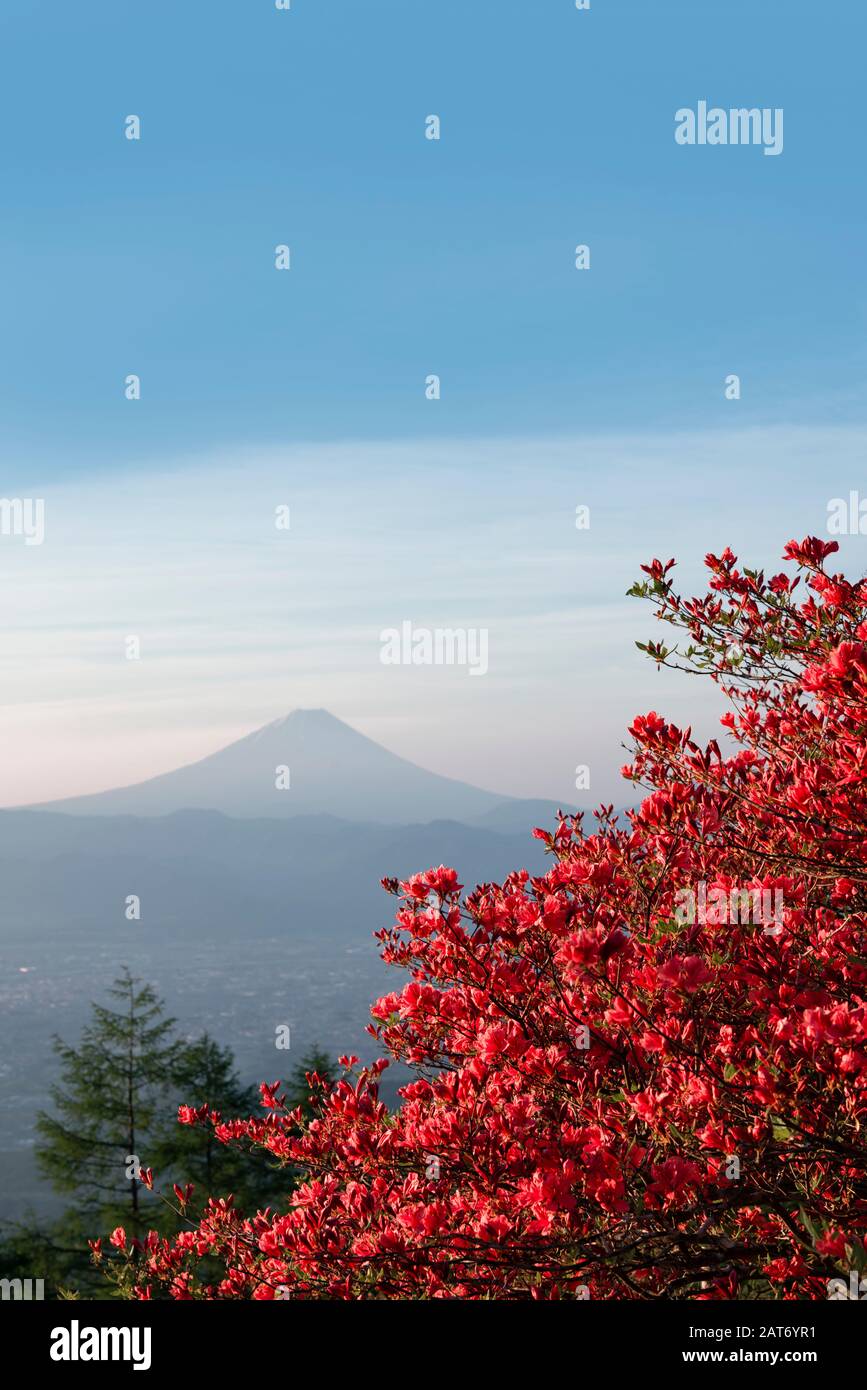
(201, 870)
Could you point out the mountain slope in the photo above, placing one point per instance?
(333, 770)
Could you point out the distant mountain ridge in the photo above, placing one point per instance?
(200, 872)
(329, 768)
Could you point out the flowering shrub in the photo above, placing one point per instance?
(609, 1101)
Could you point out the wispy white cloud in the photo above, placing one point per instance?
(240, 622)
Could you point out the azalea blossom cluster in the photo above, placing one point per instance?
(609, 1102)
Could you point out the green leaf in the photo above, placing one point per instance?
(808, 1224)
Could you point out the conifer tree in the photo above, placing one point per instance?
(297, 1088)
(113, 1087)
(115, 1112)
(204, 1074)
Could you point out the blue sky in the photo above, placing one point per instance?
(409, 257)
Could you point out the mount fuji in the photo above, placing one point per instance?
(306, 764)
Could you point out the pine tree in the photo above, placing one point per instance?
(115, 1111)
(113, 1087)
(298, 1090)
(204, 1074)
